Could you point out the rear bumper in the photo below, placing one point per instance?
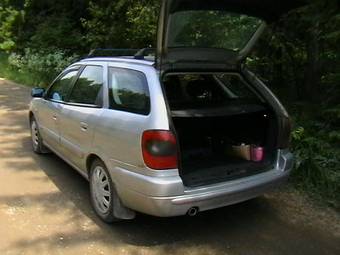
(167, 196)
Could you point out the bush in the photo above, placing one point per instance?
(317, 167)
(41, 67)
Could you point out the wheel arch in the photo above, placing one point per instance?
(119, 210)
(90, 159)
(30, 116)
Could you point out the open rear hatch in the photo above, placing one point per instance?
(223, 134)
(212, 35)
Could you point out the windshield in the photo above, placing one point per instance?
(211, 29)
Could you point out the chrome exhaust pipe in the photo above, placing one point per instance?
(192, 211)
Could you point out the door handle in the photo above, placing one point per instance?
(84, 126)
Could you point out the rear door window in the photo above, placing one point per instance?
(62, 86)
(89, 87)
(129, 91)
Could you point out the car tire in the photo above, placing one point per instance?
(102, 192)
(37, 142)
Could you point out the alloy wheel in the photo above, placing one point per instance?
(101, 190)
(35, 134)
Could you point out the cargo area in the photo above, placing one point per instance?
(224, 130)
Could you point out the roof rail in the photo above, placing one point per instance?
(136, 53)
(112, 52)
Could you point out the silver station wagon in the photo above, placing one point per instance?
(187, 130)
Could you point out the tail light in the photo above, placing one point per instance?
(159, 149)
(285, 130)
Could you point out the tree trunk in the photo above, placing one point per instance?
(312, 81)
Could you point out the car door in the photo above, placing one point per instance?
(49, 114)
(215, 35)
(81, 113)
(118, 136)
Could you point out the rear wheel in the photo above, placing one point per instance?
(37, 142)
(102, 192)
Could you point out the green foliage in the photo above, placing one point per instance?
(62, 36)
(41, 66)
(107, 23)
(121, 24)
(42, 24)
(317, 167)
(142, 18)
(6, 71)
(10, 23)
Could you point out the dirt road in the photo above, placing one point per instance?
(44, 209)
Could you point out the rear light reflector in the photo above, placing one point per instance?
(159, 149)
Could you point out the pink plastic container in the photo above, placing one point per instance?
(257, 154)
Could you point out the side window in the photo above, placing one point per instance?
(89, 87)
(129, 91)
(61, 88)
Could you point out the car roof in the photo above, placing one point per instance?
(149, 61)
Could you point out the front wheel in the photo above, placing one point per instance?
(102, 192)
(37, 142)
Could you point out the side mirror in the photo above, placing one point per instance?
(37, 92)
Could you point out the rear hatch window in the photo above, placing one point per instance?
(211, 29)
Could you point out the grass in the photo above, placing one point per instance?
(10, 73)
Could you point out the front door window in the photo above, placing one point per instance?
(61, 87)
